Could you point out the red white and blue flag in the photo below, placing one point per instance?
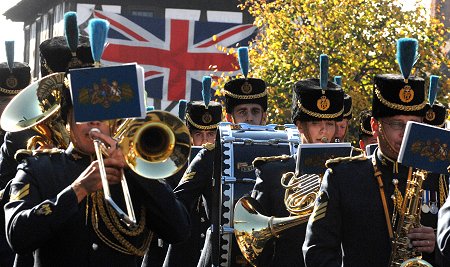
(175, 54)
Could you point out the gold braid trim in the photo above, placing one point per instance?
(443, 189)
(359, 157)
(365, 131)
(230, 94)
(399, 106)
(118, 224)
(348, 113)
(10, 91)
(201, 127)
(320, 115)
(125, 246)
(259, 160)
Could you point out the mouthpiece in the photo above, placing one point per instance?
(324, 139)
(93, 130)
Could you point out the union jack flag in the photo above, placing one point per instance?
(175, 54)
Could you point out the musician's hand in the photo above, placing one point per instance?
(423, 238)
(114, 151)
(90, 180)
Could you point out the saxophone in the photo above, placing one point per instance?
(403, 254)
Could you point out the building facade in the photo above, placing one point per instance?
(45, 18)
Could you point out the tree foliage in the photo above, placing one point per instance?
(359, 36)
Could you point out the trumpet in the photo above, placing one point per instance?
(155, 147)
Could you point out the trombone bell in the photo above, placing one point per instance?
(157, 142)
(155, 147)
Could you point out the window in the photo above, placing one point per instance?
(141, 13)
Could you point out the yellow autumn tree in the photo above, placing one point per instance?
(359, 37)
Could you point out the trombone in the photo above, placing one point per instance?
(154, 147)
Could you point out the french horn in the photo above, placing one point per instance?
(253, 229)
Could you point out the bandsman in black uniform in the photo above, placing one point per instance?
(354, 217)
(443, 230)
(435, 197)
(55, 56)
(14, 76)
(342, 126)
(245, 102)
(437, 115)
(316, 107)
(57, 209)
(366, 136)
(202, 119)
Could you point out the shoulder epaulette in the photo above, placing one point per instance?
(262, 160)
(359, 157)
(24, 153)
(209, 146)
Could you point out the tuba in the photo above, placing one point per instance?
(253, 230)
(154, 147)
(38, 107)
(402, 255)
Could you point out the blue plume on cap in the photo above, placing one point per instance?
(206, 91)
(71, 30)
(338, 80)
(434, 89)
(9, 45)
(98, 30)
(149, 108)
(323, 71)
(182, 109)
(243, 60)
(407, 55)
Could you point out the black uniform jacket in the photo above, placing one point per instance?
(44, 216)
(8, 165)
(8, 169)
(158, 247)
(349, 214)
(195, 184)
(443, 230)
(285, 250)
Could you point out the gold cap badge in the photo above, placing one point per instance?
(246, 88)
(206, 118)
(323, 103)
(406, 94)
(430, 115)
(12, 81)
